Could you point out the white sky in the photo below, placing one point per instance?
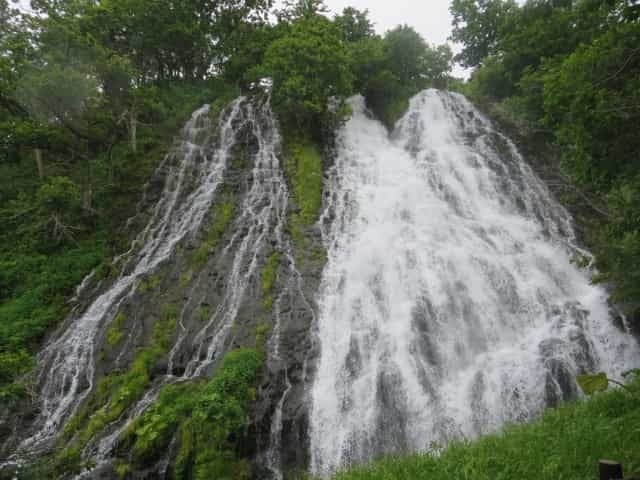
(430, 18)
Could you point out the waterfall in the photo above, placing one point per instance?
(67, 364)
(194, 170)
(449, 305)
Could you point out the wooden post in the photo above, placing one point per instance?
(610, 470)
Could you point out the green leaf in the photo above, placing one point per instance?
(591, 384)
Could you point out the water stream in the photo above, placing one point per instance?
(449, 305)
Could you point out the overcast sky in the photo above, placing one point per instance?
(429, 17)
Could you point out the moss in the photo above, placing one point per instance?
(204, 313)
(269, 274)
(305, 173)
(222, 216)
(122, 470)
(118, 391)
(261, 335)
(115, 333)
(304, 169)
(149, 284)
(185, 278)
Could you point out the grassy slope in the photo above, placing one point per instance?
(566, 443)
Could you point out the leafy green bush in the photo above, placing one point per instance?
(208, 416)
(309, 66)
(114, 332)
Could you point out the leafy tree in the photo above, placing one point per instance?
(592, 102)
(354, 24)
(309, 66)
(389, 70)
(301, 9)
(476, 24)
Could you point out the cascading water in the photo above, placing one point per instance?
(449, 305)
(66, 366)
(194, 171)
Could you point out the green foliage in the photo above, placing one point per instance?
(204, 314)
(269, 275)
(389, 70)
(304, 168)
(33, 292)
(309, 65)
(149, 284)
(222, 216)
(618, 247)
(591, 102)
(208, 416)
(354, 25)
(565, 443)
(476, 24)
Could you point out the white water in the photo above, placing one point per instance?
(261, 213)
(66, 366)
(449, 305)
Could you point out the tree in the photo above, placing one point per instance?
(354, 24)
(309, 66)
(476, 25)
(300, 9)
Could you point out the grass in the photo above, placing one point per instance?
(565, 444)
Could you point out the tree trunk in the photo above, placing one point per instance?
(37, 153)
(133, 131)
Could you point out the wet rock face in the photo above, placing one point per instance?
(209, 280)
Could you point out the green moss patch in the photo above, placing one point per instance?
(269, 275)
(115, 330)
